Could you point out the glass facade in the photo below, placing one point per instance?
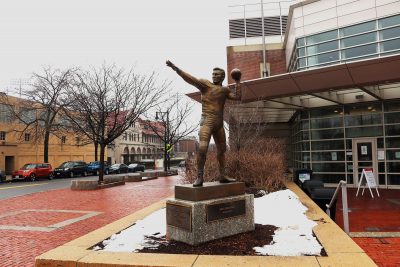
(364, 40)
(323, 139)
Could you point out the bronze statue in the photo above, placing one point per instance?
(213, 97)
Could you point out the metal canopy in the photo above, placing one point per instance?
(277, 98)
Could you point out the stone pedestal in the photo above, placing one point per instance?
(212, 217)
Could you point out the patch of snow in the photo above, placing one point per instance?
(281, 209)
(134, 238)
(294, 237)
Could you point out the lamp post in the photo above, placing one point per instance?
(166, 137)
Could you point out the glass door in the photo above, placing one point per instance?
(364, 156)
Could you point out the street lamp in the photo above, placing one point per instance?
(159, 115)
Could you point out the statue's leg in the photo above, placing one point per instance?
(220, 143)
(204, 136)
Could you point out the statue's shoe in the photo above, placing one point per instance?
(198, 182)
(226, 179)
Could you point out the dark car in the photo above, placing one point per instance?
(119, 168)
(135, 167)
(94, 167)
(71, 169)
(2, 176)
(33, 171)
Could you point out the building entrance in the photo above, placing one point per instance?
(9, 164)
(364, 156)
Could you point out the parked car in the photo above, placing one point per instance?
(94, 167)
(182, 164)
(2, 176)
(34, 171)
(119, 168)
(71, 169)
(135, 167)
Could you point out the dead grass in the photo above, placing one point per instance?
(261, 164)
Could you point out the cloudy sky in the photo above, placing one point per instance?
(142, 34)
(62, 33)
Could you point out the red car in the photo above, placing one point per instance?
(33, 171)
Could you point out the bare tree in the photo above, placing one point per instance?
(174, 116)
(41, 104)
(108, 100)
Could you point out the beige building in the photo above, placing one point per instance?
(18, 147)
(138, 143)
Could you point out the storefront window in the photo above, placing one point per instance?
(327, 134)
(326, 123)
(368, 119)
(364, 131)
(327, 145)
(328, 156)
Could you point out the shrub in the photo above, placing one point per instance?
(261, 164)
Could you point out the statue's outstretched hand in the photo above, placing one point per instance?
(170, 64)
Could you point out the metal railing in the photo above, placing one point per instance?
(342, 184)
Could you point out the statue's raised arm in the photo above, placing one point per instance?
(199, 84)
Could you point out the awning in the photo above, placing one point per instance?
(276, 98)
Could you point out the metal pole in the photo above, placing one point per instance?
(345, 209)
(264, 71)
(168, 159)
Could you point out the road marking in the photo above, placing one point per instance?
(10, 187)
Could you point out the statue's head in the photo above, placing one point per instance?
(218, 76)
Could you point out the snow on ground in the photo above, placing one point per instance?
(294, 236)
(282, 209)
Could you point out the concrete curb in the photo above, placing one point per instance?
(341, 249)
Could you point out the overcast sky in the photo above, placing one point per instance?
(143, 34)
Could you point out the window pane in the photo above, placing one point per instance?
(390, 33)
(393, 142)
(328, 156)
(359, 51)
(392, 106)
(325, 112)
(320, 48)
(327, 145)
(304, 125)
(392, 117)
(329, 178)
(302, 62)
(390, 45)
(300, 42)
(366, 119)
(359, 28)
(362, 109)
(390, 21)
(393, 130)
(328, 57)
(393, 166)
(301, 52)
(394, 179)
(317, 38)
(331, 167)
(327, 123)
(393, 154)
(364, 131)
(357, 40)
(327, 134)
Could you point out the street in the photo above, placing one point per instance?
(20, 188)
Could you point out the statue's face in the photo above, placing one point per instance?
(218, 77)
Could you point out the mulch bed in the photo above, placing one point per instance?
(236, 245)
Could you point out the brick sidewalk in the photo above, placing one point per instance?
(379, 216)
(51, 216)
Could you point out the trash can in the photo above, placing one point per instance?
(309, 185)
(322, 197)
(302, 175)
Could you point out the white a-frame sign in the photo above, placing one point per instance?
(367, 175)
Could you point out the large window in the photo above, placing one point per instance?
(355, 42)
(322, 140)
